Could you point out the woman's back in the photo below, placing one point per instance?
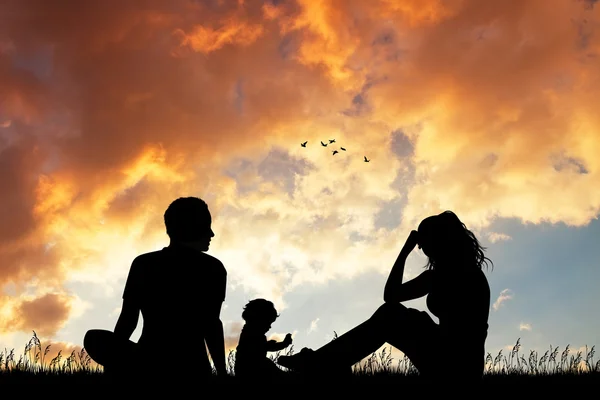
(461, 301)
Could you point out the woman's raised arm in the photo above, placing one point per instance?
(413, 289)
(394, 286)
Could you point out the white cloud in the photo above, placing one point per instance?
(505, 295)
(8, 340)
(284, 240)
(114, 312)
(583, 349)
(79, 306)
(498, 237)
(313, 325)
(524, 326)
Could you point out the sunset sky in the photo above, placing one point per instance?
(109, 110)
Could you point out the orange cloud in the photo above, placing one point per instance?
(502, 98)
(207, 39)
(232, 335)
(45, 314)
(415, 13)
(111, 123)
(328, 39)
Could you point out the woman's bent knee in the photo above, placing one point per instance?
(388, 310)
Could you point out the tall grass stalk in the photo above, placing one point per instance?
(34, 361)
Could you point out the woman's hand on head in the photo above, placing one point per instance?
(411, 242)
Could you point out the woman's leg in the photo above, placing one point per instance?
(402, 327)
(354, 345)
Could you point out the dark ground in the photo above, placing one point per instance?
(100, 380)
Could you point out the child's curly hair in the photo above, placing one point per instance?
(259, 309)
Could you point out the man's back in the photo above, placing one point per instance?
(177, 289)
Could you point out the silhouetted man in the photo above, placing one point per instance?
(179, 291)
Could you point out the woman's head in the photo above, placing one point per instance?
(260, 312)
(445, 240)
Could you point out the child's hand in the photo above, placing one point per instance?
(288, 339)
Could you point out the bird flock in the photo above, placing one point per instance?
(334, 152)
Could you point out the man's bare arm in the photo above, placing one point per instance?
(128, 319)
(215, 339)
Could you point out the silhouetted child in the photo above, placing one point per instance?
(251, 359)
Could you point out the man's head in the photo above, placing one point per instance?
(188, 220)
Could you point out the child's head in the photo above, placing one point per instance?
(260, 312)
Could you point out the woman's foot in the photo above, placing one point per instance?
(300, 362)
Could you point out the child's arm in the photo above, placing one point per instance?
(273, 345)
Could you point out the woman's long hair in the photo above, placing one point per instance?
(449, 237)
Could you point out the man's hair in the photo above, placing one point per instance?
(259, 310)
(187, 218)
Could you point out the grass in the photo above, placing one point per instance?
(566, 366)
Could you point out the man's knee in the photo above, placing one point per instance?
(90, 339)
(94, 340)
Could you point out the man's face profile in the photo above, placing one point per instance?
(205, 232)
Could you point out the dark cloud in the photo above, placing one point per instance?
(282, 168)
(45, 315)
(115, 108)
(401, 145)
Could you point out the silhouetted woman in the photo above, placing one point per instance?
(457, 293)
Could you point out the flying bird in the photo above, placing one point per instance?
(335, 152)
(366, 160)
(331, 140)
(342, 148)
(303, 144)
(323, 144)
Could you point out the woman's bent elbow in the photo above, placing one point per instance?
(388, 298)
